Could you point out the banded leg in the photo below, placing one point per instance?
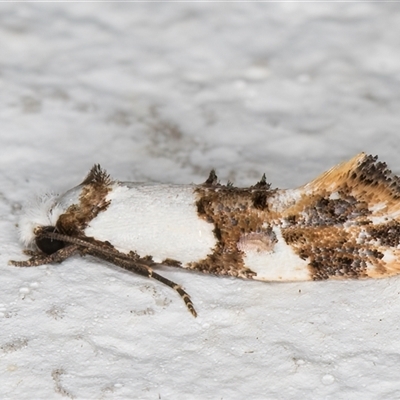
(41, 258)
(178, 288)
(131, 262)
(144, 270)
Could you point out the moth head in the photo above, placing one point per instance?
(40, 214)
(47, 244)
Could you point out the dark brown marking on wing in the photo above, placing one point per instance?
(331, 225)
(375, 174)
(332, 252)
(325, 211)
(318, 235)
(92, 201)
(260, 196)
(97, 176)
(387, 234)
(234, 212)
(212, 179)
(171, 263)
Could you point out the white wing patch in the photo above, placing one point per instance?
(279, 264)
(156, 220)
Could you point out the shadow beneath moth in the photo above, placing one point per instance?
(343, 224)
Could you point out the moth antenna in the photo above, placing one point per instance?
(83, 243)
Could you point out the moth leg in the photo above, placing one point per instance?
(104, 250)
(140, 268)
(185, 297)
(31, 253)
(41, 258)
(147, 271)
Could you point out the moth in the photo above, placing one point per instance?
(343, 224)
